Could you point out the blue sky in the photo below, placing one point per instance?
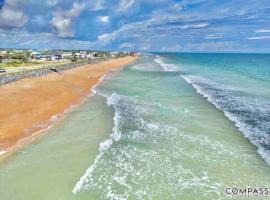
(145, 25)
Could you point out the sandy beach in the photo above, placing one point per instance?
(29, 105)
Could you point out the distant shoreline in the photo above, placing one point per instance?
(10, 77)
(31, 105)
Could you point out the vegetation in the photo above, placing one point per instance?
(17, 58)
(74, 58)
(20, 59)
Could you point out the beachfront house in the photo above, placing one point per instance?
(56, 57)
(89, 55)
(35, 55)
(66, 54)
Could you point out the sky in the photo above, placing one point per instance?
(139, 25)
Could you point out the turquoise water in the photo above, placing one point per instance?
(239, 85)
(148, 133)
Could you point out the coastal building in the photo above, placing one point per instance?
(35, 55)
(57, 56)
(66, 54)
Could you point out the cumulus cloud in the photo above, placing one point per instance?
(140, 23)
(63, 20)
(11, 15)
(104, 19)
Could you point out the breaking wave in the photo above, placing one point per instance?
(166, 66)
(250, 115)
(141, 151)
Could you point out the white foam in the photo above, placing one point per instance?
(240, 125)
(247, 134)
(264, 154)
(93, 89)
(116, 134)
(107, 76)
(54, 118)
(84, 179)
(166, 66)
(81, 184)
(192, 79)
(129, 164)
(199, 90)
(103, 146)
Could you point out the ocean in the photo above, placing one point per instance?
(167, 127)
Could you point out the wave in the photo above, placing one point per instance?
(103, 146)
(249, 115)
(125, 110)
(144, 156)
(95, 89)
(166, 66)
(139, 149)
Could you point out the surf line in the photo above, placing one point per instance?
(103, 146)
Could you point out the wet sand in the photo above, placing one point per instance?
(31, 105)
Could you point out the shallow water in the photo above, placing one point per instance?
(237, 84)
(145, 134)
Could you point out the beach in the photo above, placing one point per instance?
(158, 128)
(30, 105)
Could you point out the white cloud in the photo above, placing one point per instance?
(194, 26)
(259, 37)
(263, 31)
(63, 19)
(21, 39)
(125, 5)
(104, 19)
(11, 15)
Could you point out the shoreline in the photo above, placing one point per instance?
(83, 78)
(43, 70)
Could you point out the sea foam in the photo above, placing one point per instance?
(166, 66)
(103, 146)
(255, 135)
